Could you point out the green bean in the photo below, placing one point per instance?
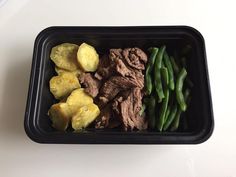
(170, 117)
(163, 110)
(184, 64)
(179, 86)
(151, 61)
(185, 51)
(187, 100)
(175, 124)
(143, 108)
(174, 65)
(148, 82)
(148, 78)
(157, 74)
(165, 76)
(167, 114)
(170, 71)
(151, 112)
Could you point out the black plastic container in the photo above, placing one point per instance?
(199, 116)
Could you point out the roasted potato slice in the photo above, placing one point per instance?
(64, 56)
(62, 85)
(87, 57)
(60, 71)
(77, 99)
(60, 116)
(84, 116)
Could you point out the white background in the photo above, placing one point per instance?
(21, 21)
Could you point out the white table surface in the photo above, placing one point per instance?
(21, 21)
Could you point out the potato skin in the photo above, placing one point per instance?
(62, 85)
(60, 116)
(87, 58)
(64, 56)
(77, 99)
(84, 116)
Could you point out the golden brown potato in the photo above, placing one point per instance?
(60, 71)
(60, 116)
(84, 116)
(62, 85)
(77, 99)
(64, 56)
(87, 58)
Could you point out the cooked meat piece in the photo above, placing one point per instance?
(128, 110)
(90, 83)
(127, 71)
(120, 96)
(105, 68)
(103, 120)
(106, 119)
(137, 100)
(121, 68)
(115, 54)
(135, 57)
(124, 82)
(139, 77)
(113, 86)
(116, 105)
(109, 93)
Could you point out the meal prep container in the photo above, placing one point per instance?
(199, 115)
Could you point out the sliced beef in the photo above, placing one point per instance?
(105, 68)
(113, 86)
(129, 72)
(128, 108)
(135, 57)
(90, 83)
(116, 105)
(120, 96)
(115, 54)
(108, 91)
(139, 77)
(103, 120)
(121, 68)
(106, 119)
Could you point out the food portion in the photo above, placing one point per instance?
(91, 84)
(84, 116)
(87, 57)
(77, 99)
(60, 116)
(126, 89)
(122, 90)
(61, 86)
(75, 105)
(166, 89)
(64, 56)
